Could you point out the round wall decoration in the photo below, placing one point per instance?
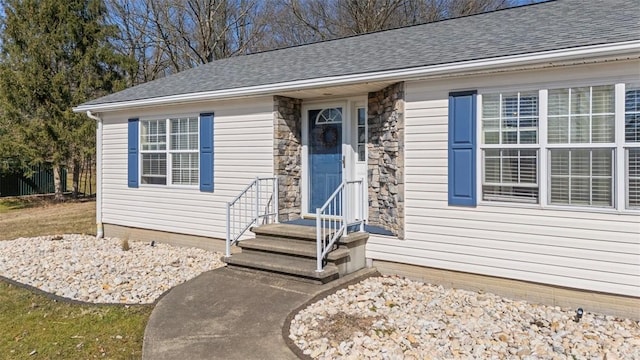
(329, 137)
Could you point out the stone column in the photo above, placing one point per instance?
(287, 154)
(386, 158)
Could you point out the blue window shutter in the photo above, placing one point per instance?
(206, 152)
(132, 160)
(462, 148)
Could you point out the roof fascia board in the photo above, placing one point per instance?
(594, 51)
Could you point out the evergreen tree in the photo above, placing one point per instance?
(55, 55)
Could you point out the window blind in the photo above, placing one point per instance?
(510, 165)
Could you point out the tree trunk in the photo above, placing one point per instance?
(90, 173)
(57, 183)
(76, 177)
(86, 167)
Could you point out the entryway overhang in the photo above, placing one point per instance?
(341, 91)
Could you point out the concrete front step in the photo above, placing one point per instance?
(298, 232)
(290, 250)
(302, 248)
(284, 264)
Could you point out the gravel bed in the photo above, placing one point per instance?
(396, 318)
(84, 268)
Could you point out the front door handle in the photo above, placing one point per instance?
(343, 161)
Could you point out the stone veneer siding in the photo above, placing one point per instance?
(386, 158)
(287, 154)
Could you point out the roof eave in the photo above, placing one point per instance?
(458, 68)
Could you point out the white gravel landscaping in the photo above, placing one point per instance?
(396, 318)
(378, 318)
(84, 268)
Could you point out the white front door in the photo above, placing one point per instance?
(334, 149)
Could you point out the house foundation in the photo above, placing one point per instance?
(591, 301)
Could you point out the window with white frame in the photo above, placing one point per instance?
(362, 134)
(581, 138)
(632, 145)
(580, 153)
(180, 156)
(153, 142)
(510, 147)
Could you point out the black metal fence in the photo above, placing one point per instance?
(40, 181)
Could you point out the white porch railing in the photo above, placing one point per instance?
(257, 204)
(343, 211)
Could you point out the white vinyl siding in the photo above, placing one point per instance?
(243, 149)
(588, 248)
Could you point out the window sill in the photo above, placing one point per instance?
(172, 187)
(560, 208)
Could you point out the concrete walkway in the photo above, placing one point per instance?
(230, 314)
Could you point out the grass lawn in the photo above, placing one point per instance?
(56, 330)
(34, 216)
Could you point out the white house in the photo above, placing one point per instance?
(498, 151)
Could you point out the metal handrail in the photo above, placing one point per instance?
(337, 216)
(256, 204)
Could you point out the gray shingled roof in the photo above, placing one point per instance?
(547, 26)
